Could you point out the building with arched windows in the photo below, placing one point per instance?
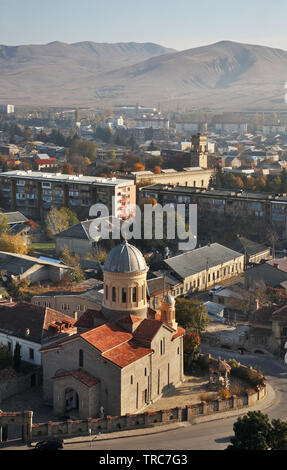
(123, 357)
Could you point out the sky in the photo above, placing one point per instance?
(179, 24)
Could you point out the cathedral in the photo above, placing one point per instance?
(123, 357)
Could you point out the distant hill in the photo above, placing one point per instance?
(225, 75)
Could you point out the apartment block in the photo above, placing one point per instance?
(270, 208)
(34, 193)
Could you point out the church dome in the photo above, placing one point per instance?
(125, 258)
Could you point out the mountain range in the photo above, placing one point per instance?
(221, 76)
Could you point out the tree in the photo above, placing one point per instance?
(191, 314)
(157, 170)
(13, 244)
(77, 274)
(67, 169)
(4, 226)
(191, 342)
(5, 357)
(17, 357)
(56, 221)
(254, 432)
(279, 435)
(138, 167)
(72, 216)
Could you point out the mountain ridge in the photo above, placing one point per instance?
(223, 75)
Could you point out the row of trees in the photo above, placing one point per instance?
(270, 183)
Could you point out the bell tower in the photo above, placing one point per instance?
(199, 151)
(168, 311)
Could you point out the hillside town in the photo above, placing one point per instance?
(92, 326)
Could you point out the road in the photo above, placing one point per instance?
(213, 435)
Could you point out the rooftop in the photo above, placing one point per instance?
(42, 176)
(196, 261)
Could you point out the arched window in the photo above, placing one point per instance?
(114, 295)
(124, 295)
(81, 358)
(134, 294)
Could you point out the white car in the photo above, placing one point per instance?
(214, 290)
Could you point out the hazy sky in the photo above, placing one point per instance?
(180, 24)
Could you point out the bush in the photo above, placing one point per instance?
(236, 388)
(224, 393)
(252, 376)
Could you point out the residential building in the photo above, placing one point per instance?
(205, 267)
(269, 208)
(7, 108)
(232, 128)
(37, 192)
(31, 327)
(72, 304)
(128, 360)
(154, 123)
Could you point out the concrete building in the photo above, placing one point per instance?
(125, 363)
(34, 193)
(270, 208)
(7, 108)
(153, 123)
(191, 177)
(232, 128)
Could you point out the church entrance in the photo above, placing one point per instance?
(71, 400)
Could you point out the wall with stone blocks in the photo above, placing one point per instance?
(156, 418)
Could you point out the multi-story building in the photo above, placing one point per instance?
(269, 208)
(192, 176)
(36, 192)
(154, 123)
(7, 108)
(232, 128)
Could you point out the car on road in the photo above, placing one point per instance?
(52, 444)
(214, 290)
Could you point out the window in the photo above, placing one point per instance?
(124, 295)
(162, 347)
(145, 372)
(9, 346)
(114, 295)
(81, 358)
(65, 307)
(107, 292)
(31, 354)
(132, 379)
(134, 294)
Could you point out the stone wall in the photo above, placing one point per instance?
(119, 423)
(12, 383)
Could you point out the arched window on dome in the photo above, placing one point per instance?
(114, 294)
(134, 294)
(124, 295)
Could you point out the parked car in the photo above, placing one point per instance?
(53, 444)
(214, 290)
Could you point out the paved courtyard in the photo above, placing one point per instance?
(186, 394)
(32, 399)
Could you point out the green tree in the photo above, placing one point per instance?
(279, 435)
(71, 215)
(17, 357)
(191, 314)
(5, 357)
(251, 432)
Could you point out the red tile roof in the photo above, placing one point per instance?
(131, 319)
(87, 319)
(147, 329)
(127, 353)
(80, 375)
(107, 336)
(180, 332)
